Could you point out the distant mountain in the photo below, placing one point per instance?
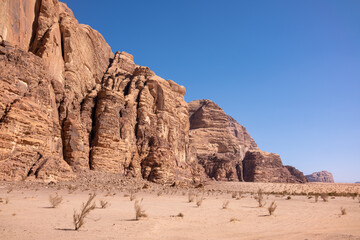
(322, 176)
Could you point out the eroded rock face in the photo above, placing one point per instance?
(30, 135)
(67, 104)
(297, 174)
(323, 176)
(217, 141)
(260, 166)
(142, 123)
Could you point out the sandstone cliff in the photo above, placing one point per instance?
(322, 176)
(68, 104)
(217, 141)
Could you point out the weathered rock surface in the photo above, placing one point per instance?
(297, 174)
(217, 141)
(67, 104)
(260, 166)
(142, 123)
(30, 134)
(322, 176)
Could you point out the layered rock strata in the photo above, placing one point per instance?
(217, 141)
(260, 166)
(68, 104)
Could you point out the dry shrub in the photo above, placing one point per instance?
(86, 208)
(325, 197)
(316, 198)
(179, 215)
(225, 204)
(310, 197)
(55, 200)
(132, 196)
(159, 193)
(191, 197)
(272, 208)
(288, 198)
(260, 198)
(104, 204)
(234, 195)
(71, 189)
(9, 190)
(139, 211)
(343, 211)
(234, 220)
(199, 201)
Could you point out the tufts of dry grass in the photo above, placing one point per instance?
(139, 211)
(55, 200)
(288, 198)
(179, 215)
(199, 201)
(234, 220)
(104, 204)
(234, 195)
(272, 208)
(260, 198)
(86, 208)
(316, 198)
(191, 197)
(132, 196)
(324, 197)
(343, 211)
(225, 204)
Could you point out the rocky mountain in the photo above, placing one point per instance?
(68, 104)
(322, 176)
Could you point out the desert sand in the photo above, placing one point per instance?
(26, 213)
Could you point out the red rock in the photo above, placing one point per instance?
(322, 176)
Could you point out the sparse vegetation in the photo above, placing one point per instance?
(324, 197)
(343, 211)
(234, 195)
(139, 211)
(179, 215)
(104, 204)
(234, 220)
(199, 201)
(132, 196)
(288, 198)
(55, 200)
(86, 208)
(316, 198)
(272, 208)
(225, 204)
(191, 197)
(260, 198)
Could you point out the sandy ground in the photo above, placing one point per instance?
(25, 213)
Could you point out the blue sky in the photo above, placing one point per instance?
(289, 71)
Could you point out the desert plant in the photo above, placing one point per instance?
(159, 193)
(132, 195)
(199, 201)
(272, 208)
(139, 211)
(179, 215)
(288, 198)
(234, 220)
(324, 197)
(260, 198)
(86, 208)
(191, 197)
(104, 204)
(316, 198)
(225, 204)
(55, 200)
(343, 211)
(234, 195)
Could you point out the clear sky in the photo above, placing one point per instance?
(289, 71)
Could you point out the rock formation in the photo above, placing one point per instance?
(322, 176)
(260, 166)
(217, 141)
(68, 104)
